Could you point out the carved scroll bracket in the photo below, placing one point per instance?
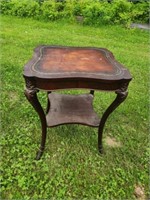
(122, 92)
(30, 89)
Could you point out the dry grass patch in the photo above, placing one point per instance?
(112, 142)
(139, 192)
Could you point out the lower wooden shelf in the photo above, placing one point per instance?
(71, 109)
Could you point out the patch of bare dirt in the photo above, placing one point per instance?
(112, 142)
(139, 192)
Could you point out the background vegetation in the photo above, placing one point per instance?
(93, 12)
(71, 167)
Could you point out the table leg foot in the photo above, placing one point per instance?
(100, 149)
(121, 96)
(92, 92)
(39, 154)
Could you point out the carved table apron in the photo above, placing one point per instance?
(56, 67)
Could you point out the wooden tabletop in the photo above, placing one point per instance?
(61, 64)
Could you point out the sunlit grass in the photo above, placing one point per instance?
(71, 166)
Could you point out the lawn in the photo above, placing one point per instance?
(71, 167)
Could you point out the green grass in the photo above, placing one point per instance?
(71, 167)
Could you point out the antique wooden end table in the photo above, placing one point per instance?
(57, 67)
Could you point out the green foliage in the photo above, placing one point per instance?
(93, 12)
(5, 6)
(71, 167)
(121, 11)
(23, 8)
(49, 10)
(52, 10)
(98, 13)
(140, 12)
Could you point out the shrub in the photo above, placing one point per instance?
(49, 10)
(121, 10)
(93, 11)
(23, 8)
(5, 6)
(53, 10)
(140, 12)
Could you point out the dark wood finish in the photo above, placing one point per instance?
(75, 67)
(121, 96)
(92, 92)
(71, 109)
(55, 67)
(48, 102)
(30, 93)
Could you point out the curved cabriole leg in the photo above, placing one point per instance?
(32, 98)
(48, 103)
(121, 96)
